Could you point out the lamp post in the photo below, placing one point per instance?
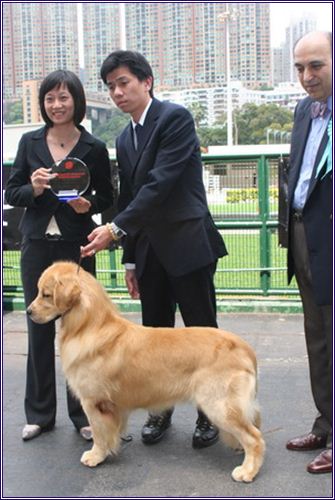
(227, 17)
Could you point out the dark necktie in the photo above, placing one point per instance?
(318, 109)
(137, 135)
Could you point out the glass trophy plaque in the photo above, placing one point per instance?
(73, 178)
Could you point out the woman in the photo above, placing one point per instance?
(53, 229)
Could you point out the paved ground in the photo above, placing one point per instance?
(49, 465)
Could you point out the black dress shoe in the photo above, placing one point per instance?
(205, 433)
(307, 442)
(155, 427)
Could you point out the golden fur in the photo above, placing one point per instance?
(114, 366)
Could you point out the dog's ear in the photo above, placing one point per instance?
(66, 293)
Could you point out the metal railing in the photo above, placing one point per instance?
(242, 192)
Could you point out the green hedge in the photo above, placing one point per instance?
(248, 194)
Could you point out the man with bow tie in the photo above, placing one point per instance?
(310, 232)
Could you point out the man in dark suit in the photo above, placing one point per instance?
(170, 242)
(310, 232)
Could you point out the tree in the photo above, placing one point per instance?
(212, 136)
(109, 130)
(198, 112)
(13, 112)
(253, 122)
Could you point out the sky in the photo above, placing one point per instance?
(283, 13)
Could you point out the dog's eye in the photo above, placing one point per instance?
(46, 295)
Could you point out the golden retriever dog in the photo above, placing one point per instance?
(115, 366)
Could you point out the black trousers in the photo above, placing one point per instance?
(194, 294)
(40, 397)
(318, 323)
(160, 292)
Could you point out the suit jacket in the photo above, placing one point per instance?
(32, 154)
(162, 197)
(317, 212)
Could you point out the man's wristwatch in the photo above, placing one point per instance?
(115, 231)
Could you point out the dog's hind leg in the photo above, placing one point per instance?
(235, 415)
(232, 441)
(253, 444)
(107, 423)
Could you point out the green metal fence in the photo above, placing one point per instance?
(242, 192)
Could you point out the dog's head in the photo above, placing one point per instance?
(58, 292)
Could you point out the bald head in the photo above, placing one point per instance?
(315, 38)
(313, 61)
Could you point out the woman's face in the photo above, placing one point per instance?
(59, 105)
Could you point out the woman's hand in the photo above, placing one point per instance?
(40, 179)
(80, 205)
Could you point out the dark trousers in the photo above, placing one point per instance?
(40, 396)
(194, 294)
(160, 292)
(318, 323)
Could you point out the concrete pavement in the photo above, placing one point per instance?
(49, 466)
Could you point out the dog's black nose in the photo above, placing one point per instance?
(29, 311)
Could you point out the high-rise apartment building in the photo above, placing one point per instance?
(37, 38)
(278, 64)
(283, 63)
(296, 30)
(250, 44)
(101, 35)
(185, 42)
(31, 111)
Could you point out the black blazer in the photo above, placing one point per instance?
(317, 212)
(32, 154)
(162, 197)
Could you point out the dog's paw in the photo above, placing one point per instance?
(91, 458)
(241, 475)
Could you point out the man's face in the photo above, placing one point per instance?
(313, 61)
(128, 93)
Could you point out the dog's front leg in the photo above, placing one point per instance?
(106, 423)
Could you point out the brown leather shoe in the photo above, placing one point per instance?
(307, 442)
(322, 463)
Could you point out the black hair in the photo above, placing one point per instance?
(74, 86)
(134, 61)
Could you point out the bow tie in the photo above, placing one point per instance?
(318, 109)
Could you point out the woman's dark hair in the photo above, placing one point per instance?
(134, 61)
(74, 86)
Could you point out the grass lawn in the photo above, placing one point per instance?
(239, 270)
